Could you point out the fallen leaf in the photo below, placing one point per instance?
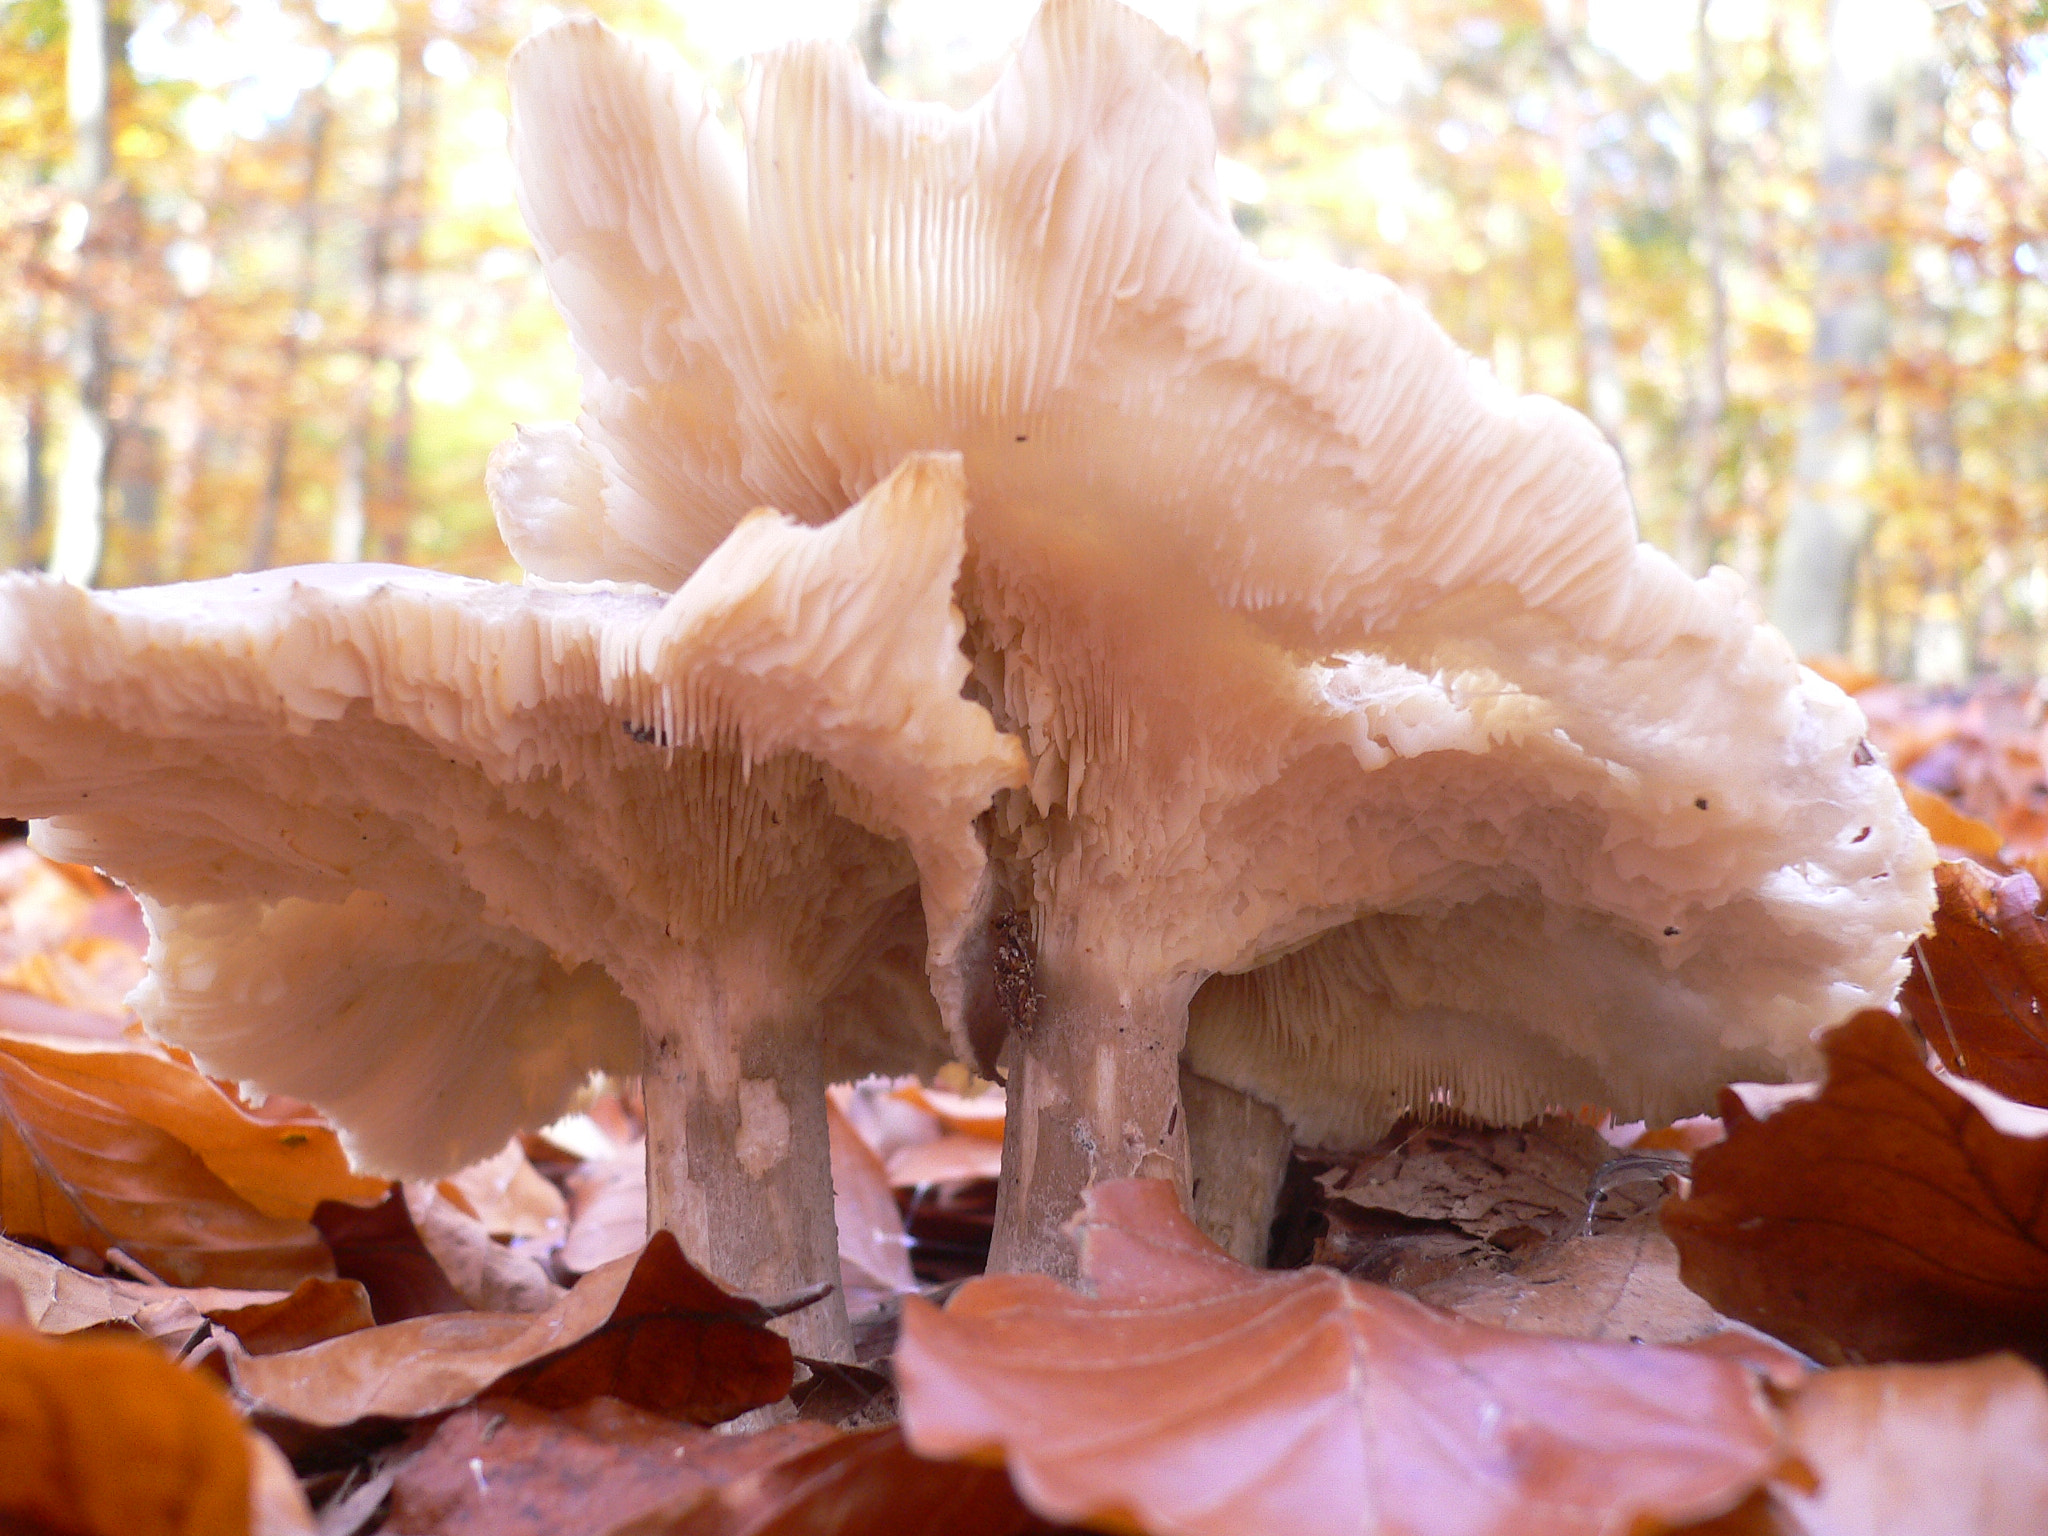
(952, 1159)
(980, 1114)
(649, 1330)
(1189, 1395)
(510, 1469)
(107, 1437)
(508, 1195)
(874, 1252)
(885, 1121)
(1621, 1285)
(867, 1483)
(1978, 979)
(608, 1210)
(484, 1273)
(317, 1310)
(283, 1168)
(78, 1165)
(381, 1249)
(1909, 1450)
(1884, 1218)
(60, 1299)
(1955, 832)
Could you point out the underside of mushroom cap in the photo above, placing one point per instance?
(330, 778)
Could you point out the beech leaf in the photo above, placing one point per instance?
(1909, 1450)
(1190, 1396)
(648, 1329)
(1979, 977)
(107, 1437)
(1884, 1218)
(79, 1165)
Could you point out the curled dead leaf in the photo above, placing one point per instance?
(316, 1311)
(649, 1330)
(107, 1437)
(1884, 1218)
(1979, 977)
(1190, 1395)
(79, 1163)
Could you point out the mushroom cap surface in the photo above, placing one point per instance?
(1301, 617)
(415, 846)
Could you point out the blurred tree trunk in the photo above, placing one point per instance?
(93, 42)
(1828, 522)
(270, 508)
(1710, 402)
(1605, 403)
(348, 537)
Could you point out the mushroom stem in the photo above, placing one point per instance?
(739, 1160)
(1238, 1147)
(1094, 1094)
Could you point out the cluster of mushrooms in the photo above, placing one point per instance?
(1183, 685)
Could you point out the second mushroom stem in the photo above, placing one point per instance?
(739, 1158)
(1094, 1094)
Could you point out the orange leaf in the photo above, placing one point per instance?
(1949, 827)
(1884, 1218)
(78, 1165)
(1978, 979)
(1190, 1395)
(648, 1329)
(317, 1310)
(107, 1437)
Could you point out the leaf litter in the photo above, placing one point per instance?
(1545, 1243)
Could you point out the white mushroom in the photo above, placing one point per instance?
(426, 851)
(1298, 614)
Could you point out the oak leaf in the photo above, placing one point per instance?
(1189, 1395)
(1883, 1218)
(79, 1164)
(1979, 977)
(108, 1437)
(648, 1329)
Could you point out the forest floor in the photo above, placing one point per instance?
(1820, 1311)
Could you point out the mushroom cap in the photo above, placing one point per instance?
(422, 849)
(1299, 615)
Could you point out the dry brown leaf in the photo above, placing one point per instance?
(381, 1249)
(952, 1159)
(1621, 1285)
(649, 1330)
(1884, 1218)
(1909, 1450)
(979, 1114)
(874, 1252)
(78, 1165)
(1190, 1395)
(609, 1210)
(277, 1502)
(107, 1437)
(283, 1168)
(867, 1483)
(509, 1197)
(61, 1299)
(509, 1469)
(487, 1275)
(317, 1310)
(1979, 977)
(1955, 832)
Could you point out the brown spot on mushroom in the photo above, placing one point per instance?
(1670, 933)
(1701, 803)
(1016, 967)
(1860, 836)
(1864, 757)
